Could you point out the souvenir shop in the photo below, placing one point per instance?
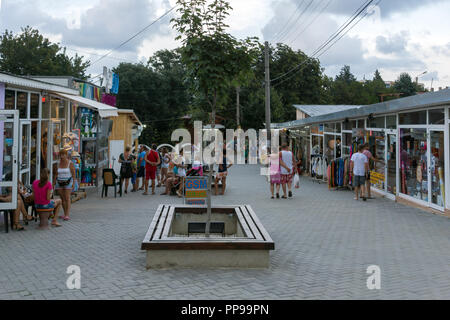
(91, 126)
(408, 137)
(33, 123)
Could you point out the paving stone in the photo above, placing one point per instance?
(324, 242)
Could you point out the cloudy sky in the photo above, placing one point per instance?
(397, 36)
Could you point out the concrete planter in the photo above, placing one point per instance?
(176, 238)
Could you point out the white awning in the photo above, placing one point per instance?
(104, 110)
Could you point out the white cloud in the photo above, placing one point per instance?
(100, 25)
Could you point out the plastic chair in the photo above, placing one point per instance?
(110, 180)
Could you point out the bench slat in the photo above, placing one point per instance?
(161, 223)
(151, 229)
(168, 224)
(243, 223)
(251, 224)
(259, 224)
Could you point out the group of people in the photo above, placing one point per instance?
(283, 167)
(42, 193)
(164, 169)
(142, 166)
(359, 166)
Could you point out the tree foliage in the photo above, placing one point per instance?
(30, 53)
(212, 57)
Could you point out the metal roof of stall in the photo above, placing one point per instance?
(27, 83)
(314, 110)
(426, 100)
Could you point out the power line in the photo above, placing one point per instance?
(286, 35)
(332, 37)
(134, 36)
(98, 55)
(288, 21)
(330, 46)
(312, 21)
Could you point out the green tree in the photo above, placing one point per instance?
(212, 57)
(405, 85)
(157, 93)
(29, 53)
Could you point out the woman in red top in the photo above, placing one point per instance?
(42, 193)
(152, 160)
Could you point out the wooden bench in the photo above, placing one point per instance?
(248, 249)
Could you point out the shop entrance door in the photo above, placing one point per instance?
(436, 169)
(9, 138)
(24, 152)
(55, 140)
(391, 166)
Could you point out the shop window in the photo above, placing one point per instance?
(34, 106)
(349, 125)
(10, 100)
(317, 145)
(377, 122)
(330, 127)
(436, 116)
(377, 168)
(338, 127)
(46, 107)
(317, 129)
(391, 122)
(330, 147)
(419, 117)
(361, 124)
(22, 104)
(33, 154)
(55, 108)
(346, 144)
(413, 163)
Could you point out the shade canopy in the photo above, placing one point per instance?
(104, 110)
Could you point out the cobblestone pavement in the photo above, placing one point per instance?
(324, 243)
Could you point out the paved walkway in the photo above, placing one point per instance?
(324, 243)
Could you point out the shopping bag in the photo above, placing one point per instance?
(296, 181)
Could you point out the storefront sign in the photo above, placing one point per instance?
(377, 178)
(196, 190)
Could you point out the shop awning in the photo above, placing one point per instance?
(104, 110)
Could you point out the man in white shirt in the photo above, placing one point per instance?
(359, 165)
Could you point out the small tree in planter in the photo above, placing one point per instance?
(213, 58)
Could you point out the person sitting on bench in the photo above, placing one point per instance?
(42, 193)
(20, 208)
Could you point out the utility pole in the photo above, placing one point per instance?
(268, 117)
(238, 111)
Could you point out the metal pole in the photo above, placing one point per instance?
(267, 83)
(238, 111)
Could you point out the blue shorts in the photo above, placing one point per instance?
(51, 205)
(133, 178)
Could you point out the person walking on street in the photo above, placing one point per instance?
(372, 160)
(359, 165)
(65, 176)
(152, 161)
(287, 162)
(126, 170)
(275, 174)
